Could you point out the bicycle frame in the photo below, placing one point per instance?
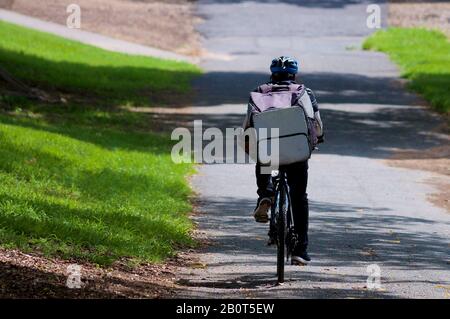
(279, 179)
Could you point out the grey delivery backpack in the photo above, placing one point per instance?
(288, 108)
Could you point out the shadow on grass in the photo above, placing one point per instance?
(105, 85)
(121, 135)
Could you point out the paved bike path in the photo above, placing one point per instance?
(363, 212)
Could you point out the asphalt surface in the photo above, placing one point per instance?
(362, 211)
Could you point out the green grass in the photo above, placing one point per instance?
(424, 57)
(84, 181)
(52, 63)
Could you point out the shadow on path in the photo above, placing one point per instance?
(346, 233)
(341, 235)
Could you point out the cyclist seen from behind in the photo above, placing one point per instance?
(284, 77)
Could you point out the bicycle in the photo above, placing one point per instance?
(281, 230)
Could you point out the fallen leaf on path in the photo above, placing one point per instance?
(198, 265)
(369, 252)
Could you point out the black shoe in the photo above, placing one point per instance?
(301, 257)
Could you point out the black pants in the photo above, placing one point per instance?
(297, 177)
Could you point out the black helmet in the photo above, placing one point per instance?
(284, 64)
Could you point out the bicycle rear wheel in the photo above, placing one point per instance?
(281, 232)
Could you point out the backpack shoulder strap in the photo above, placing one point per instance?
(264, 88)
(304, 100)
(297, 87)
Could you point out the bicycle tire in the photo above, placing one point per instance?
(281, 233)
